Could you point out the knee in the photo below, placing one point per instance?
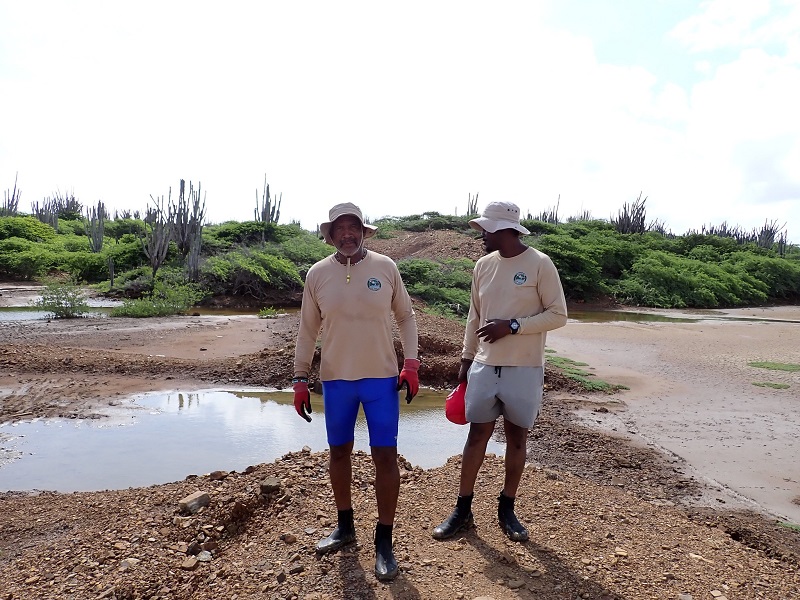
(385, 458)
(340, 453)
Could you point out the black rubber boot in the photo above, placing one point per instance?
(344, 534)
(385, 562)
(508, 520)
(459, 520)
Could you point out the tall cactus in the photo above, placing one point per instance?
(94, 226)
(267, 209)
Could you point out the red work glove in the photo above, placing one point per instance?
(409, 378)
(302, 397)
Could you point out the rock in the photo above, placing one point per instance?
(218, 475)
(269, 485)
(685, 597)
(189, 564)
(515, 584)
(204, 556)
(194, 502)
(128, 563)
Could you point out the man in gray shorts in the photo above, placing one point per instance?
(516, 299)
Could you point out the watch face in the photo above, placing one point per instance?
(514, 326)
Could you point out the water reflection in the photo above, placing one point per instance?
(164, 437)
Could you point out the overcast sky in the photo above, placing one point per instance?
(409, 107)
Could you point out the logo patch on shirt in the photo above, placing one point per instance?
(520, 278)
(373, 284)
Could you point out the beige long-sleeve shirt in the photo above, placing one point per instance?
(356, 319)
(526, 288)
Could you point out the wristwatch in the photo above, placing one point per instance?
(514, 325)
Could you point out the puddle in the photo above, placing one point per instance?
(610, 316)
(163, 437)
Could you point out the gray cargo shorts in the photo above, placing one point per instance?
(514, 392)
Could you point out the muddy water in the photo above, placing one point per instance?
(163, 437)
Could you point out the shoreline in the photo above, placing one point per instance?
(691, 394)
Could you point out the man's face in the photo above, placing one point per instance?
(347, 234)
(489, 241)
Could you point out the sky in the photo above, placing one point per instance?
(403, 108)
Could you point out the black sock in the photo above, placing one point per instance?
(504, 501)
(383, 532)
(345, 520)
(464, 504)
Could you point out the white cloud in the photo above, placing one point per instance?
(400, 109)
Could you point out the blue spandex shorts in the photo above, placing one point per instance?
(381, 408)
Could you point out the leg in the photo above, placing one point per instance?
(382, 411)
(340, 469)
(341, 405)
(387, 490)
(474, 453)
(516, 454)
(471, 461)
(387, 482)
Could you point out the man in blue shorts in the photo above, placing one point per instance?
(352, 296)
(516, 298)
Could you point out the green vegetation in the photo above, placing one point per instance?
(624, 259)
(63, 300)
(794, 526)
(167, 298)
(774, 386)
(773, 366)
(268, 312)
(570, 369)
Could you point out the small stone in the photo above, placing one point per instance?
(685, 597)
(716, 593)
(204, 556)
(296, 568)
(620, 552)
(289, 538)
(269, 485)
(218, 475)
(129, 563)
(189, 564)
(515, 584)
(194, 502)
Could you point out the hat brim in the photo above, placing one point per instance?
(325, 231)
(494, 225)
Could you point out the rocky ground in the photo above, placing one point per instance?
(607, 519)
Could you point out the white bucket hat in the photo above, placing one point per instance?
(497, 216)
(340, 210)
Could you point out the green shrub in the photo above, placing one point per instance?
(165, 300)
(23, 259)
(248, 271)
(581, 274)
(303, 250)
(85, 266)
(63, 300)
(28, 228)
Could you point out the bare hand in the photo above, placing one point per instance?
(464, 369)
(495, 329)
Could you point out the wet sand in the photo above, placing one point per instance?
(692, 395)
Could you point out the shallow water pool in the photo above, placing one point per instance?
(163, 437)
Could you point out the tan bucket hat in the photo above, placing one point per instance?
(497, 216)
(340, 210)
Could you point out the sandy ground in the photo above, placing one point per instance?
(692, 394)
